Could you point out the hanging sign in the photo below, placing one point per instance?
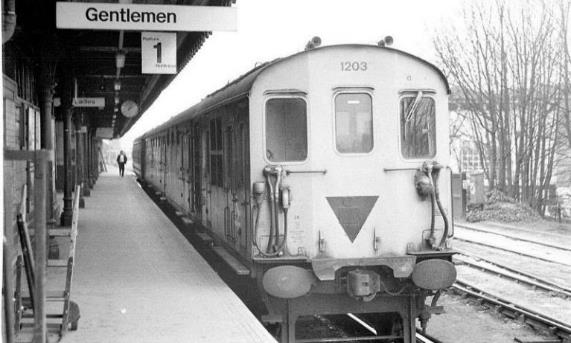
(88, 102)
(158, 53)
(104, 132)
(140, 17)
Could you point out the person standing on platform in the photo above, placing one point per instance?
(121, 160)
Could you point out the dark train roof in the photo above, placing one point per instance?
(241, 87)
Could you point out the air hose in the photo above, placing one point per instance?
(274, 247)
(435, 174)
(426, 181)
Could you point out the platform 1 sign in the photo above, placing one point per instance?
(141, 17)
(158, 53)
(88, 102)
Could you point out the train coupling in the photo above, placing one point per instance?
(363, 284)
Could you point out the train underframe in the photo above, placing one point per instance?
(390, 305)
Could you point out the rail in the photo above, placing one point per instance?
(554, 246)
(511, 251)
(529, 279)
(526, 315)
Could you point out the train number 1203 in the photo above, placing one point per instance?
(354, 66)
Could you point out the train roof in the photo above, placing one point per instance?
(241, 87)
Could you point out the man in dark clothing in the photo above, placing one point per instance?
(121, 160)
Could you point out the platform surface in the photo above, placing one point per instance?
(137, 279)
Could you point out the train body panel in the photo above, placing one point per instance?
(329, 178)
(325, 173)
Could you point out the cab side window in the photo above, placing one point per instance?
(286, 129)
(417, 126)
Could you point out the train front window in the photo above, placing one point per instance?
(286, 129)
(418, 131)
(353, 123)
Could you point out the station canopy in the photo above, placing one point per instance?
(104, 63)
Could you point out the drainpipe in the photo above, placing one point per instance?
(8, 20)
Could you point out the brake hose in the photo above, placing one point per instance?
(280, 248)
(440, 207)
(272, 210)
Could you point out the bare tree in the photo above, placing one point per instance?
(506, 66)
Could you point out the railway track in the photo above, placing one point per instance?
(525, 315)
(539, 247)
(516, 238)
(516, 275)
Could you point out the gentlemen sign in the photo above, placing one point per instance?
(113, 16)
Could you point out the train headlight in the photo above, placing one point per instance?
(434, 274)
(288, 281)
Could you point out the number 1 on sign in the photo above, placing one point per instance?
(158, 46)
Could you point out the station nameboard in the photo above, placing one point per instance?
(137, 17)
(88, 102)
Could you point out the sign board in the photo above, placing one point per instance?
(158, 53)
(141, 17)
(88, 102)
(104, 132)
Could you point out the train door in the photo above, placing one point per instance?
(205, 176)
(186, 172)
(196, 148)
(229, 185)
(166, 161)
(241, 192)
(173, 166)
(163, 161)
(179, 174)
(217, 188)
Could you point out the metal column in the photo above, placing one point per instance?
(86, 182)
(48, 128)
(79, 160)
(67, 213)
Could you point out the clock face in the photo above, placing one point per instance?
(129, 108)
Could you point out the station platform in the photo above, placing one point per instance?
(137, 279)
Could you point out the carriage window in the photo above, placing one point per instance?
(286, 129)
(353, 123)
(418, 134)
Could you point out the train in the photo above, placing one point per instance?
(325, 173)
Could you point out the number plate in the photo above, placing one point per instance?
(354, 66)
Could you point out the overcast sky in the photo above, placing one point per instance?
(268, 29)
